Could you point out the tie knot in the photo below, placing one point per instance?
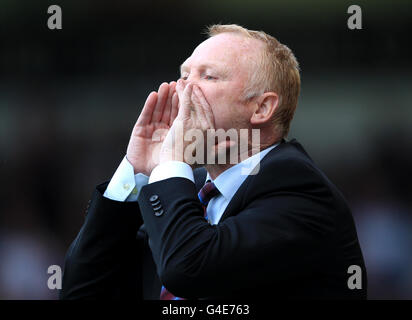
(207, 192)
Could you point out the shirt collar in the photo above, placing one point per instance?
(231, 179)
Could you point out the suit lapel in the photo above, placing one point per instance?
(240, 198)
(237, 201)
(200, 178)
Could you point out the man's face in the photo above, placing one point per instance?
(220, 66)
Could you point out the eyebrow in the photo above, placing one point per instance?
(204, 66)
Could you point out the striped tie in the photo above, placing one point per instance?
(205, 194)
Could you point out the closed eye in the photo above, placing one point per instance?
(207, 77)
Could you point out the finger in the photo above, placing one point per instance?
(168, 106)
(200, 113)
(185, 101)
(161, 102)
(146, 114)
(205, 106)
(175, 109)
(180, 87)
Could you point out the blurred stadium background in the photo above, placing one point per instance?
(69, 99)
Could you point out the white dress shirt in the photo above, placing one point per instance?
(125, 186)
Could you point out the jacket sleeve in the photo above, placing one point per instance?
(104, 259)
(277, 232)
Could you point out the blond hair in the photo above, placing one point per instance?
(277, 70)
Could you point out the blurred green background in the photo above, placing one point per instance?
(69, 99)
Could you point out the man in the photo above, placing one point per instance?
(275, 226)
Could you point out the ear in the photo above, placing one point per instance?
(265, 107)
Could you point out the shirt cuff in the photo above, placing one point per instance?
(124, 185)
(171, 169)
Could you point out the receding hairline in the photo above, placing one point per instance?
(217, 29)
(247, 45)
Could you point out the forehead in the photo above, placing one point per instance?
(229, 51)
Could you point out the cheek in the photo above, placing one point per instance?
(216, 99)
(225, 107)
(212, 93)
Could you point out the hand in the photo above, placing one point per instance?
(154, 122)
(194, 118)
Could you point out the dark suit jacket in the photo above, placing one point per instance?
(286, 233)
